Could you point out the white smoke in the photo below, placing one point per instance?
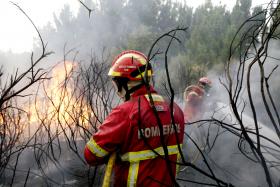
(225, 158)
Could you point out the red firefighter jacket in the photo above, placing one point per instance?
(132, 131)
(193, 103)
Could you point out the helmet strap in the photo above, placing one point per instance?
(131, 90)
(122, 83)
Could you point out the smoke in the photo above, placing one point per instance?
(106, 28)
(273, 81)
(10, 63)
(52, 135)
(79, 38)
(44, 171)
(221, 147)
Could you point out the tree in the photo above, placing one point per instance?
(208, 32)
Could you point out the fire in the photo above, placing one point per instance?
(58, 104)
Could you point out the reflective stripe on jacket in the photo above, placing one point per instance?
(132, 130)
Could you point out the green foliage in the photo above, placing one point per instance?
(182, 74)
(133, 24)
(209, 27)
(141, 39)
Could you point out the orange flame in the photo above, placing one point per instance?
(59, 103)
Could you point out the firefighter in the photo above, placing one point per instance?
(132, 131)
(194, 96)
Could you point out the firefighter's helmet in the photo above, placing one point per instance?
(130, 64)
(205, 83)
(129, 70)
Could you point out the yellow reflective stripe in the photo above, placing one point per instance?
(132, 174)
(149, 72)
(135, 157)
(177, 165)
(156, 97)
(96, 149)
(114, 73)
(148, 154)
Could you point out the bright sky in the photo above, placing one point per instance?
(16, 32)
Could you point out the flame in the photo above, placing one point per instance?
(59, 105)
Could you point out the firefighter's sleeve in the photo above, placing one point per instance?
(108, 138)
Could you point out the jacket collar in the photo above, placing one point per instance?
(142, 91)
